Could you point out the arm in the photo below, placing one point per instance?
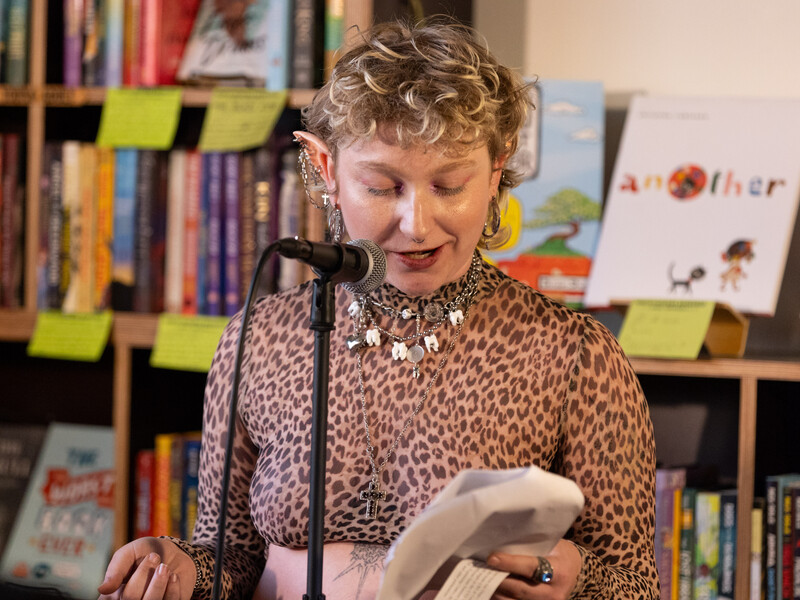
(244, 555)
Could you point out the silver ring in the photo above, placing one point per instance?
(416, 241)
(543, 573)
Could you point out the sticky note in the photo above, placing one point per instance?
(186, 343)
(140, 118)
(240, 118)
(665, 328)
(78, 336)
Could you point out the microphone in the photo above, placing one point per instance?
(359, 265)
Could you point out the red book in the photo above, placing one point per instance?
(150, 40)
(11, 225)
(143, 490)
(191, 214)
(177, 19)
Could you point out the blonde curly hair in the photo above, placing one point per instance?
(430, 83)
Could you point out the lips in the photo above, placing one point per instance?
(419, 255)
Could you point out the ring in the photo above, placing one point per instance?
(544, 572)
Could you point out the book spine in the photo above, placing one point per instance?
(756, 553)
(771, 530)
(91, 44)
(176, 27)
(158, 243)
(787, 554)
(144, 475)
(191, 483)
(308, 43)
(202, 238)
(191, 231)
(231, 234)
(289, 215)
(214, 257)
(176, 227)
(161, 477)
(150, 36)
(146, 173)
(676, 545)
(17, 48)
(706, 547)
(105, 228)
(12, 223)
(86, 265)
(727, 545)
(262, 215)
(114, 42)
(334, 33)
(278, 27)
(44, 229)
(795, 543)
(131, 65)
(667, 481)
(686, 569)
(73, 42)
(247, 230)
(125, 215)
(73, 224)
(55, 226)
(176, 470)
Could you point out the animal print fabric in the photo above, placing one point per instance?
(529, 382)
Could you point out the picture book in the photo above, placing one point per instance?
(702, 203)
(554, 213)
(706, 545)
(668, 481)
(62, 535)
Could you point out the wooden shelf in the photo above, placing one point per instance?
(16, 325)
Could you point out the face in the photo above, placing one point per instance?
(425, 209)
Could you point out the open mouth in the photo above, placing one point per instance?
(419, 255)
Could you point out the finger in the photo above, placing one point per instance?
(158, 583)
(524, 566)
(138, 583)
(116, 595)
(173, 588)
(121, 565)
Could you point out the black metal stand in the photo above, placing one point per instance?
(323, 316)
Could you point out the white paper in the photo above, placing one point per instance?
(519, 511)
(471, 580)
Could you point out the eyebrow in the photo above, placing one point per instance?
(386, 168)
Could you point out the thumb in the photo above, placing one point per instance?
(120, 567)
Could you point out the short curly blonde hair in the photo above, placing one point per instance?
(431, 83)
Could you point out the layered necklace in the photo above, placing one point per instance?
(367, 332)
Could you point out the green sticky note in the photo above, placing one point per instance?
(665, 328)
(140, 118)
(186, 343)
(240, 118)
(78, 336)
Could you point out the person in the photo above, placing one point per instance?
(448, 365)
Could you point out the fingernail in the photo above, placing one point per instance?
(493, 561)
(162, 569)
(153, 557)
(173, 578)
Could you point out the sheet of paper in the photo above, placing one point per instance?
(186, 343)
(140, 118)
(519, 511)
(471, 580)
(78, 336)
(665, 328)
(240, 118)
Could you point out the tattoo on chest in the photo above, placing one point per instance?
(365, 559)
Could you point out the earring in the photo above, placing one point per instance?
(336, 224)
(492, 225)
(311, 176)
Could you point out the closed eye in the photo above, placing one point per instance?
(448, 191)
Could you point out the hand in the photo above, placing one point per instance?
(565, 561)
(149, 569)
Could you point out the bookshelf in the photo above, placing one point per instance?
(132, 333)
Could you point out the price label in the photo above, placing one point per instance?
(78, 336)
(186, 343)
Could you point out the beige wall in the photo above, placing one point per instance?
(688, 47)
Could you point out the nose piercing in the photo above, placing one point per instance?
(416, 241)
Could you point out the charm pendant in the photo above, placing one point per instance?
(372, 496)
(355, 342)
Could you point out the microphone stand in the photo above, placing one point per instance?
(323, 316)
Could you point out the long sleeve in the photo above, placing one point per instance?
(244, 554)
(609, 451)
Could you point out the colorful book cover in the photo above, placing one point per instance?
(676, 545)
(190, 486)
(214, 242)
(308, 44)
(11, 223)
(104, 239)
(787, 555)
(247, 225)
(686, 567)
(92, 53)
(554, 213)
(176, 227)
(706, 545)
(161, 476)
(150, 36)
(144, 472)
(191, 231)
(775, 485)
(757, 550)
(667, 482)
(114, 42)
(122, 265)
(73, 224)
(700, 207)
(73, 42)
(132, 48)
(19, 447)
(17, 47)
(202, 238)
(55, 226)
(232, 218)
(62, 535)
(252, 47)
(727, 545)
(176, 27)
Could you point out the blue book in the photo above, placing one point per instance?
(62, 535)
(231, 234)
(190, 484)
(727, 545)
(114, 19)
(122, 270)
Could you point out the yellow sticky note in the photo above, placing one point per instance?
(140, 118)
(186, 343)
(665, 328)
(240, 118)
(78, 336)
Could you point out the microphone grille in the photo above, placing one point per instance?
(375, 273)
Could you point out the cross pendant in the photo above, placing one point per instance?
(372, 495)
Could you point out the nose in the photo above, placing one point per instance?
(415, 217)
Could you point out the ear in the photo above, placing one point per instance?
(497, 170)
(321, 158)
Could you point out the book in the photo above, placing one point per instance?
(19, 447)
(773, 525)
(795, 539)
(214, 256)
(146, 203)
(727, 545)
(104, 239)
(55, 225)
(144, 469)
(150, 40)
(334, 33)
(757, 549)
(132, 48)
(177, 19)
(250, 48)
(686, 567)
(161, 476)
(92, 73)
(308, 44)
(179, 456)
(62, 535)
(17, 48)
(787, 554)
(44, 226)
(247, 226)
(264, 215)
(700, 207)
(676, 544)
(290, 216)
(232, 219)
(191, 482)
(11, 223)
(73, 42)
(706, 544)
(667, 482)
(114, 42)
(125, 215)
(87, 177)
(176, 228)
(191, 230)
(73, 224)
(158, 243)
(554, 214)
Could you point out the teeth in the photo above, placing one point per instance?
(418, 255)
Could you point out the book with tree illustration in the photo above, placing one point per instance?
(702, 203)
(554, 213)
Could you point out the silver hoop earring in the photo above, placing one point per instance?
(492, 225)
(336, 224)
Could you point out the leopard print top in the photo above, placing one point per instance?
(529, 382)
